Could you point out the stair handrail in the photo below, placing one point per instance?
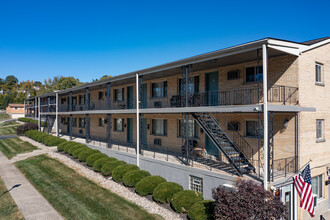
(234, 141)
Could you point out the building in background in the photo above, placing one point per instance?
(205, 120)
(15, 110)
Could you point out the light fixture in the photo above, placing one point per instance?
(286, 122)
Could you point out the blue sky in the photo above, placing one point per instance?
(88, 39)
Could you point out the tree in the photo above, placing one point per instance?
(37, 84)
(249, 200)
(105, 77)
(67, 82)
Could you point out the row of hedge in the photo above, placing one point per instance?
(44, 138)
(31, 121)
(182, 201)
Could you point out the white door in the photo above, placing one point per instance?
(287, 198)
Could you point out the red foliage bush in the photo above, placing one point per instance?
(247, 201)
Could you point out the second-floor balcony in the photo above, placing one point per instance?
(277, 94)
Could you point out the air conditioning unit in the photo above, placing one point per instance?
(158, 104)
(315, 200)
(157, 141)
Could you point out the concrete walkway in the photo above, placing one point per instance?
(30, 202)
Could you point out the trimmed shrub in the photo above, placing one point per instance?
(147, 185)
(164, 192)
(202, 210)
(108, 167)
(74, 147)
(131, 178)
(182, 201)
(93, 157)
(40, 137)
(86, 153)
(26, 127)
(97, 166)
(53, 141)
(24, 119)
(76, 153)
(69, 146)
(61, 147)
(120, 171)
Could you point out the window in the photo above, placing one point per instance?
(319, 129)
(74, 100)
(63, 100)
(317, 186)
(318, 73)
(253, 74)
(233, 75)
(63, 120)
(251, 129)
(193, 128)
(16, 108)
(159, 127)
(81, 122)
(101, 95)
(101, 122)
(193, 86)
(159, 90)
(119, 124)
(233, 126)
(119, 94)
(74, 122)
(81, 99)
(196, 184)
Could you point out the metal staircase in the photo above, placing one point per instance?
(236, 150)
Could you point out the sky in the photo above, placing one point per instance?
(89, 39)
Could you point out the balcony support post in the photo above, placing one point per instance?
(87, 99)
(109, 123)
(56, 115)
(70, 101)
(35, 107)
(39, 119)
(108, 93)
(88, 129)
(70, 127)
(48, 107)
(296, 141)
(265, 111)
(137, 120)
(24, 109)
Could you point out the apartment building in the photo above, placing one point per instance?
(15, 110)
(258, 110)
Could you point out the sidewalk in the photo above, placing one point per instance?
(30, 202)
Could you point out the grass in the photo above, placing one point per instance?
(4, 116)
(74, 196)
(8, 208)
(12, 123)
(8, 129)
(13, 146)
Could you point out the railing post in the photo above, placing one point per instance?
(70, 101)
(87, 99)
(283, 94)
(108, 95)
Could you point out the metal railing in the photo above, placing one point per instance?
(284, 167)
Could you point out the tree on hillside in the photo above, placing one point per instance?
(11, 81)
(67, 82)
(105, 77)
(248, 200)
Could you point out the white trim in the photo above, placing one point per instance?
(311, 47)
(265, 94)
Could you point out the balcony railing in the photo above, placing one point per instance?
(277, 94)
(284, 167)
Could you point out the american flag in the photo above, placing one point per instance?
(303, 184)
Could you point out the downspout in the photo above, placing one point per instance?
(137, 121)
(265, 105)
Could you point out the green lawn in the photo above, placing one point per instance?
(8, 130)
(4, 116)
(13, 146)
(8, 208)
(74, 196)
(12, 123)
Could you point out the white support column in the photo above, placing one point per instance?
(137, 122)
(265, 94)
(24, 109)
(35, 107)
(56, 115)
(39, 119)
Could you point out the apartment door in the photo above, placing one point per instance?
(210, 147)
(130, 97)
(130, 130)
(144, 96)
(287, 198)
(144, 131)
(211, 88)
